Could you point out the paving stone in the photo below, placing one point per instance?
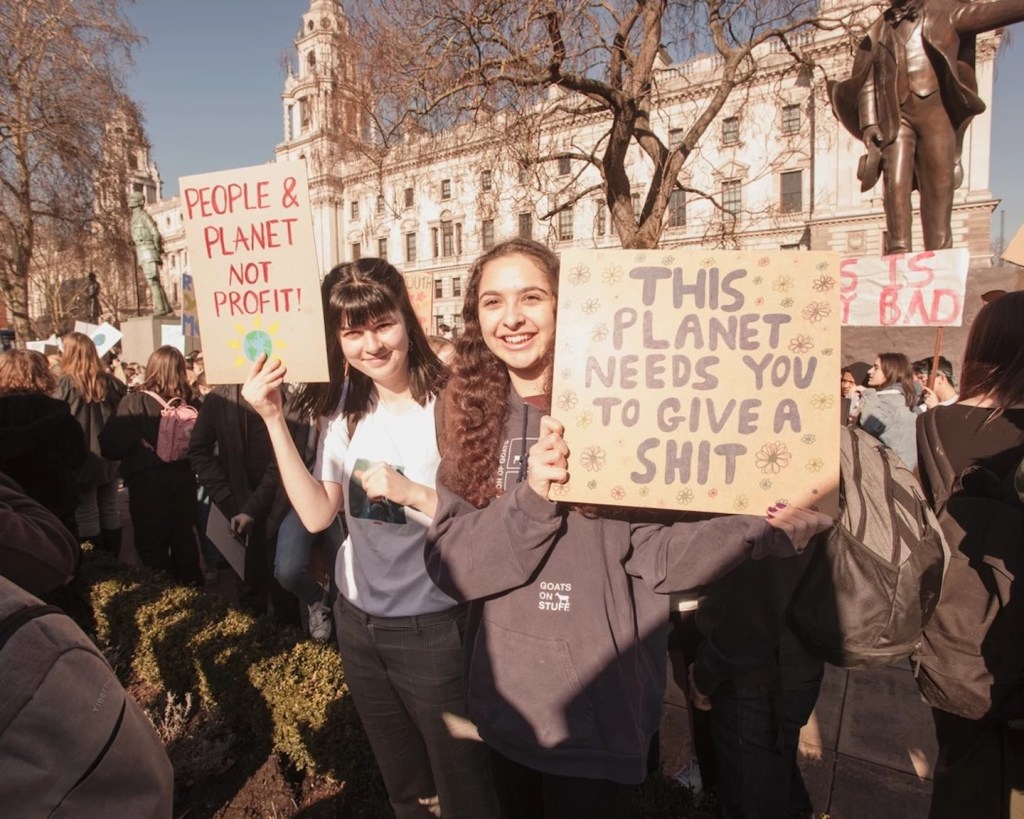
(822, 729)
(885, 722)
(862, 789)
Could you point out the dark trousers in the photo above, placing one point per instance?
(980, 769)
(405, 677)
(756, 735)
(525, 793)
(162, 504)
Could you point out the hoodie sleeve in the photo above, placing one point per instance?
(473, 553)
(689, 554)
(36, 550)
(201, 446)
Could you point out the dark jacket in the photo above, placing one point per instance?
(92, 416)
(40, 447)
(131, 438)
(566, 638)
(36, 550)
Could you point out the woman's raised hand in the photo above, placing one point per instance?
(549, 458)
(799, 525)
(263, 389)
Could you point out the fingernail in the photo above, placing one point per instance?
(781, 505)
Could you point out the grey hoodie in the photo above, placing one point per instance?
(566, 637)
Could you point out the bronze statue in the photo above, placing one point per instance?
(92, 296)
(148, 250)
(910, 97)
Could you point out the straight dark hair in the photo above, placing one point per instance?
(898, 373)
(994, 357)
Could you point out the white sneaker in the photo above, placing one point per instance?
(320, 622)
(689, 777)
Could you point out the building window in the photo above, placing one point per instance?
(303, 113)
(353, 209)
(446, 189)
(790, 119)
(382, 248)
(357, 251)
(457, 287)
(565, 225)
(564, 166)
(730, 130)
(601, 219)
(677, 209)
(447, 239)
(675, 138)
(637, 207)
(433, 242)
(458, 238)
(731, 196)
(409, 197)
(380, 205)
(438, 289)
(486, 180)
(791, 199)
(526, 225)
(410, 247)
(487, 234)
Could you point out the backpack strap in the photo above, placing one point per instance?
(160, 400)
(12, 622)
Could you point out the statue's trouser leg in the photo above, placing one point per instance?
(936, 163)
(898, 176)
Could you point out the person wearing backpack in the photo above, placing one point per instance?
(152, 445)
(971, 662)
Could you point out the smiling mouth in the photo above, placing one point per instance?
(519, 338)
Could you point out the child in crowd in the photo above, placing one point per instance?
(398, 633)
(566, 639)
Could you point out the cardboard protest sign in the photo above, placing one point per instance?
(923, 289)
(104, 335)
(1015, 250)
(189, 317)
(255, 271)
(421, 294)
(700, 380)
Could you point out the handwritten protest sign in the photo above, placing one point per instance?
(1015, 250)
(104, 335)
(421, 294)
(189, 317)
(254, 270)
(699, 380)
(923, 289)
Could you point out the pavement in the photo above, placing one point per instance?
(868, 749)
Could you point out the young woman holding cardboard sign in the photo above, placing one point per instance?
(399, 634)
(567, 629)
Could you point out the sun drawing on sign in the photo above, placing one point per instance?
(255, 342)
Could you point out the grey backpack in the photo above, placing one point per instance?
(872, 584)
(73, 743)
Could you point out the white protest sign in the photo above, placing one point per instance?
(700, 380)
(255, 271)
(923, 289)
(104, 335)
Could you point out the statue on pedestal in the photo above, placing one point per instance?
(148, 251)
(910, 97)
(92, 298)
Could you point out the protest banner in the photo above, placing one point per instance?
(104, 335)
(1015, 250)
(923, 289)
(421, 294)
(189, 317)
(255, 271)
(699, 380)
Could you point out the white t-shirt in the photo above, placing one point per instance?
(380, 566)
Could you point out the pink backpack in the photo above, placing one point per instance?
(176, 422)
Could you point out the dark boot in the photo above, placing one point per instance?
(110, 541)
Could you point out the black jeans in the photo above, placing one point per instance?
(162, 504)
(405, 676)
(526, 793)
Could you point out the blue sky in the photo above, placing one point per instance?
(210, 75)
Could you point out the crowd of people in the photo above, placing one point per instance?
(507, 654)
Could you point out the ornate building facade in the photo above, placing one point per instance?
(780, 168)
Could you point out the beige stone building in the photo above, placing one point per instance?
(777, 168)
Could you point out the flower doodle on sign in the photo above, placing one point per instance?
(823, 284)
(764, 261)
(584, 419)
(808, 439)
(823, 401)
(773, 457)
(816, 311)
(801, 343)
(783, 284)
(684, 496)
(591, 306)
(815, 465)
(580, 274)
(599, 333)
(766, 484)
(559, 489)
(567, 400)
(612, 275)
(618, 493)
(593, 458)
(591, 485)
(740, 503)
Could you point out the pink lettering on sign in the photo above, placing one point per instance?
(220, 200)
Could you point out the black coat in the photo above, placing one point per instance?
(92, 416)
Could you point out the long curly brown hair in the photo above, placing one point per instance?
(476, 398)
(81, 363)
